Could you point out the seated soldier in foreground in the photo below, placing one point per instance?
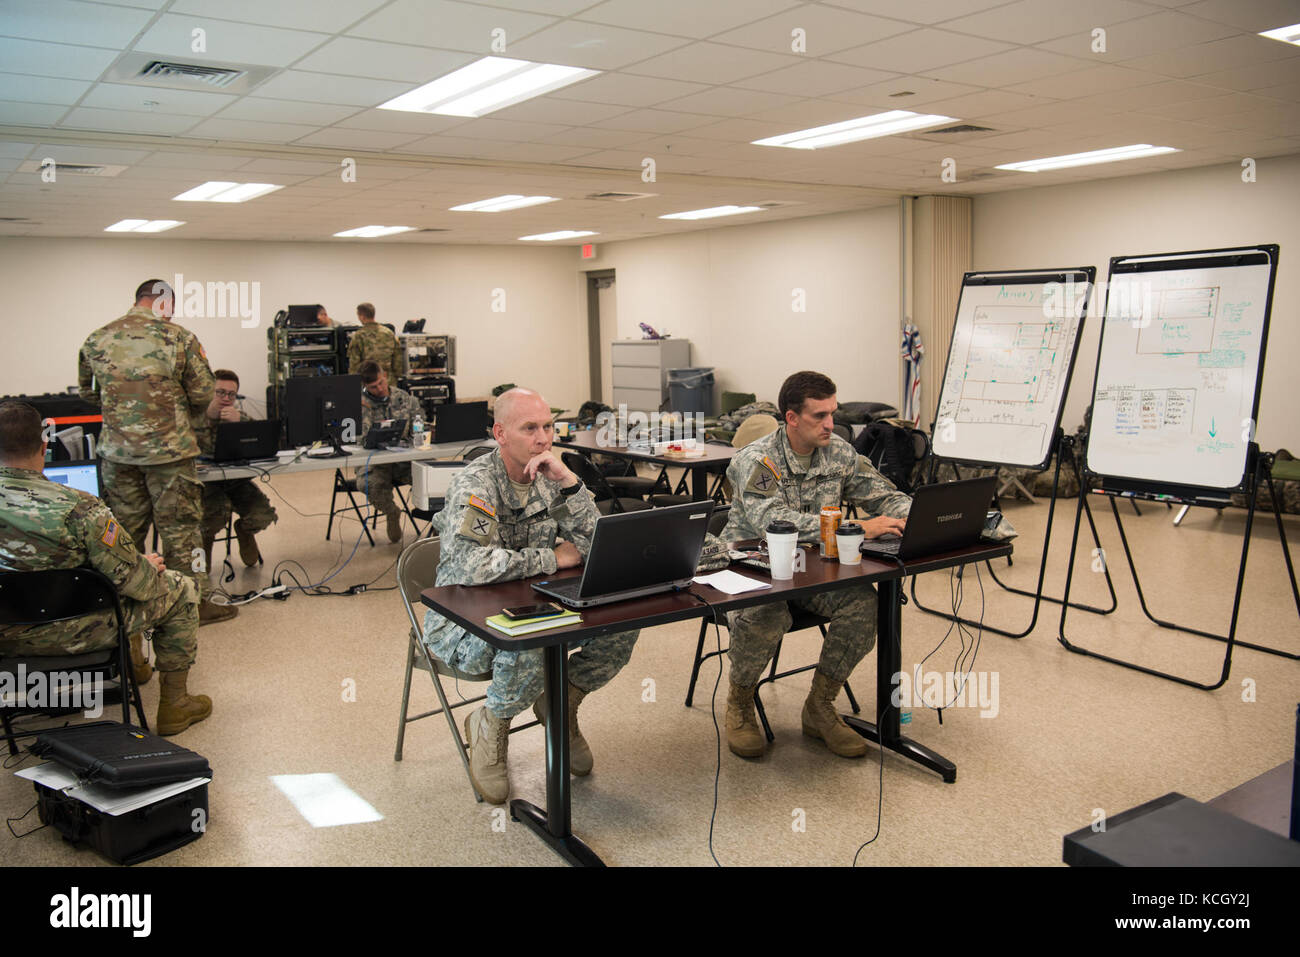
(44, 525)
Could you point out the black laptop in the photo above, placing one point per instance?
(380, 435)
(246, 441)
(944, 517)
(634, 554)
(462, 422)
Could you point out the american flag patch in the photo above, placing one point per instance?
(482, 506)
(109, 537)
(771, 468)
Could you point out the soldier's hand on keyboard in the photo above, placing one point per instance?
(883, 525)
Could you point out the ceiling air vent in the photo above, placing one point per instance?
(617, 197)
(216, 76)
(959, 128)
(433, 229)
(775, 203)
(72, 169)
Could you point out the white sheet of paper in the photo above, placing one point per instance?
(113, 801)
(732, 583)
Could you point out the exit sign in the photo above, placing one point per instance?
(588, 251)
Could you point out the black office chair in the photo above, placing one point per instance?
(64, 594)
(607, 502)
(477, 451)
(417, 569)
(801, 620)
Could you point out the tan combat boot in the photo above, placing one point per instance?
(488, 738)
(821, 720)
(177, 708)
(743, 734)
(394, 525)
(140, 666)
(248, 553)
(580, 759)
(210, 613)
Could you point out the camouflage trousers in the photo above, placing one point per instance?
(243, 496)
(850, 635)
(173, 616)
(518, 677)
(169, 497)
(378, 481)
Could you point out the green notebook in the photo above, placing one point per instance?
(522, 626)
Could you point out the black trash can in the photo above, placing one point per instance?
(690, 390)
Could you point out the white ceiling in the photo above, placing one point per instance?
(688, 83)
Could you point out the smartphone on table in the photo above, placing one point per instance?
(539, 610)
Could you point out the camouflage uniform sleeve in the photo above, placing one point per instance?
(397, 356)
(873, 492)
(576, 516)
(713, 556)
(367, 417)
(109, 549)
(86, 378)
(471, 550)
(354, 353)
(759, 500)
(196, 377)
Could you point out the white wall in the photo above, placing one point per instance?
(1205, 208)
(729, 291)
(62, 289)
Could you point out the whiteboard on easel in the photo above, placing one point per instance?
(1009, 365)
(1179, 367)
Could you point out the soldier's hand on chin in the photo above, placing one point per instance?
(567, 555)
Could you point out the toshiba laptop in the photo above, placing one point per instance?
(246, 441)
(635, 554)
(944, 517)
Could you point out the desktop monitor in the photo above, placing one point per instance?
(462, 422)
(318, 407)
(304, 315)
(80, 475)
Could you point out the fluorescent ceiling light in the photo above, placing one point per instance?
(143, 225)
(1084, 159)
(849, 131)
(713, 211)
(485, 86)
(1289, 34)
(501, 203)
(560, 234)
(372, 232)
(221, 192)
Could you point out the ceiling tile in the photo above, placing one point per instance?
(509, 131)
(687, 18)
(1033, 21)
(452, 26)
(1254, 16)
(932, 11)
(1013, 66)
(815, 78)
(805, 114)
(1142, 37)
(227, 42)
(356, 139)
(323, 88)
(400, 121)
(650, 121)
(190, 160)
(264, 110)
(220, 129)
(1255, 77)
(15, 150)
(1104, 78)
(625, 90)
(350, 56)
(923, 90)
(66, 21)
(54, 59)
(547, 109)
(593, 46)
(921, 51)
(328, 17)
(128, 96)
(127, 121)
(557, 8)
(593, 138)
(1214, 56)
(976, 106)
(41, 89)
(712, 63)
(105, 155)
(29, 114)
(825, 30)
(727, 101)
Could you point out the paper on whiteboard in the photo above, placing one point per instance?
(1177, 373)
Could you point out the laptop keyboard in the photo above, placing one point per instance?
(568, 588)
(887, 547)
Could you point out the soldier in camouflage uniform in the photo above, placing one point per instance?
(792, 474)
(505, 516)
(255, 510)
(380, 401)
(44, 525)
(152, 381)
(374, 343)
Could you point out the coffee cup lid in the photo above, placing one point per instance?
(849, 528)
(782, 527)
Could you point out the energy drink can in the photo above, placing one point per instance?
(830, 522)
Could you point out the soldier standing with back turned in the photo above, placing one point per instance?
(373, 342)
(152, 381)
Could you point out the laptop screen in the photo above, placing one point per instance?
(80, 475)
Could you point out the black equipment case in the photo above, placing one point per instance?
(116, 756)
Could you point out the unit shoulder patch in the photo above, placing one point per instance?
(477, 526)
(764, 478)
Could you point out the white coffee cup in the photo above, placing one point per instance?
(782, 543)
(848, 538)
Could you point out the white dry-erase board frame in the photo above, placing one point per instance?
(962, 430)
(1180, 365)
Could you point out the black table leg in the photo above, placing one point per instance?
(699, 483)
(554, 825)
(889, 662)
